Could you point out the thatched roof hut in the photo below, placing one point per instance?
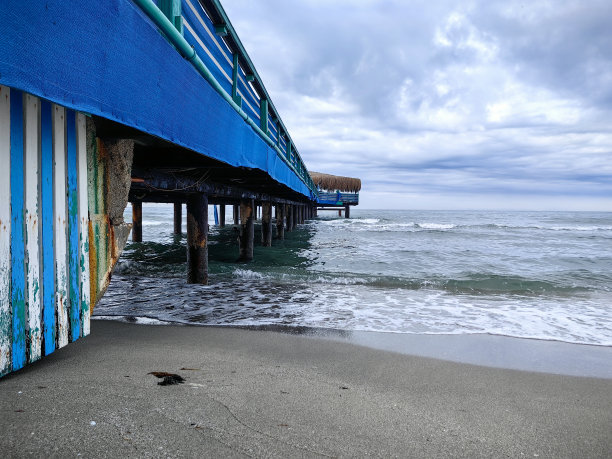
(336, 182)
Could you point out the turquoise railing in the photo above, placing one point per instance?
(337, 198)
(203, 34)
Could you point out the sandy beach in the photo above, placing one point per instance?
(260, 393)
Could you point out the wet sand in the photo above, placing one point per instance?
(262, 393)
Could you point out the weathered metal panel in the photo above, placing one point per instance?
(44, 234)
(60, 227)
(83, 223)
(6, 323)
(18, 304)
(32, 224)
(73, 227)
(46, 192)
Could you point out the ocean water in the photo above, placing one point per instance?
(542, 275)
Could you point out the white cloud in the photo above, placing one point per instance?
(498, 105)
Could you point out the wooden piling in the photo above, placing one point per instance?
(197, 239)
(280, 221)
(178, 218)
(289, 216)
(222, 215)
(294, 213)
(236, 214)
(137, 221)
(266, 224)
(347, 212)
(247, 229)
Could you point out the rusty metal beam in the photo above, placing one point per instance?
(137, 221)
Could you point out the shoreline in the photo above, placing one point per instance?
(485, 349)
(260, 393)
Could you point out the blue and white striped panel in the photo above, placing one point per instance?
(6, 322)
(44, 259)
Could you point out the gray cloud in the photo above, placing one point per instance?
(444, 99)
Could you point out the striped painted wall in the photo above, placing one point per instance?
(44, 259)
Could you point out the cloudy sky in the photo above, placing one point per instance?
(444, 104)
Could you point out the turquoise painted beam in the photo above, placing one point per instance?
(172, 10)
(263, 112)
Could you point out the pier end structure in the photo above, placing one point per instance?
(336, 193)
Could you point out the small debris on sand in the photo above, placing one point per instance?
(169, 379)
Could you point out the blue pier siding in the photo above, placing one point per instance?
(73, 227)
(18, 283)
(46, 191)
(107, 58)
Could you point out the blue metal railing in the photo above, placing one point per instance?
(215, 51)
(338, 199)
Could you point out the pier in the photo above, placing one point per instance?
(336, 193)
(128, 101)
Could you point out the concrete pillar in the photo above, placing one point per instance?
(347, 212)
(236, 214)
(222, 215)
(289, 215)
(266, 224)
(247, 229)
(137, 221)
(280, 221)
(197, 239)
(178, 218)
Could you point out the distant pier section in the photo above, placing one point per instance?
(336, 192)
